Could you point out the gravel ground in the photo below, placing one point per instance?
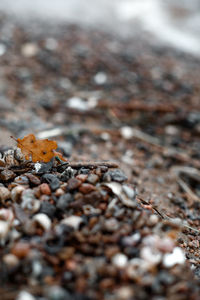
(84, 230)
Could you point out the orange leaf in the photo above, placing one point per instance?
(38, 150)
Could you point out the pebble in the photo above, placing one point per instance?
(29, 50)
(77, 103)
(52, 180)
(45, 189)
(4, 194)
(21, 249)
(22, 180)
(73, 221)
(7, 175)
(92, 178)
(176, 257)
(23, 295)
(73, 184)
(63, 201)
(10, 260)
(120, 260)
(42, 220)
(150, 255)
(4, 230)
(47, 209)
(33, 179)
(111, 225)
(100, 78)
(86, 188)
(58, 293)
(126, 132)
(116, 175)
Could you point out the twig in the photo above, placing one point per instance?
(92, 165)
(178, 222)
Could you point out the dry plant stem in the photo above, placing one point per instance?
(163, 216)
(191, 172)
(92, 165)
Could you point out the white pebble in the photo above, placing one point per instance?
(2, 49)
(23, 295)
(100, 78)
(77, 103)
(176, 257)
(152, 256)
(73, 221)
(42, 220)
(10, 260)
(119, 260)
(29, 50)
(127, 132)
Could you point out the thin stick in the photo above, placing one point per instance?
(92, 165)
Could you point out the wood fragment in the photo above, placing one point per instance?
(92, 165)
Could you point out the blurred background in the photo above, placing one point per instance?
(110, 80)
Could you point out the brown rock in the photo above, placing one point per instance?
(21, 249)
(7, 175)
(86, 188)
(45, 189)
(4, 193)
(73, 184)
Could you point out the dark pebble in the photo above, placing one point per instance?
(64, 201)
(115, 175)
(52, 180)
(45, 167)
(84, 171)
(48, 209)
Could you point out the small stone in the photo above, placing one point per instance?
(82, 177)
(47, 209)
(111, 225)
(23, 295)
(86, 188)
(4, 230)
(176, 257)
(45, 189)
(73, 221)
(73, 184)
(16, 193)
(7, 175)
(77, 103)
(151, 256)
(10, 260)
(93, 178)
(100, 78)
(29, 50)
(58, 293)
(43, 221)
(21, 249)
(130, 192)
(33, 179)
(22, 180)
(52, 180)
(127, 132)
(59, 192)
(63, 201)
(116, 175)
(4, 194)
(119, 260)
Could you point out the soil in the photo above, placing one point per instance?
(83, 229)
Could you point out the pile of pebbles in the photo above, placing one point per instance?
(81, 233)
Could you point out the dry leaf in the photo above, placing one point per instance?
(38, 150)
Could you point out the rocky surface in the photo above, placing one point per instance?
(84, 230)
